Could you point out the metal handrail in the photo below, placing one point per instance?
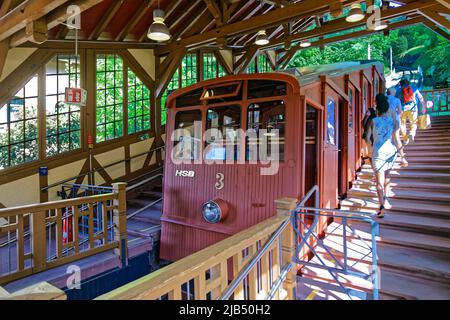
(345, 215)
(249, 266)
(99, 169)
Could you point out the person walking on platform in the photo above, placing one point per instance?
(384, 151)
(395, 110)
(411, 100)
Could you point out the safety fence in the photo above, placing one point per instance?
(37, 237)
(253, 264)
(440, 101)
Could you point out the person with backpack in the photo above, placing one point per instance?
(396, 110)
(411, 101)
(381, 131)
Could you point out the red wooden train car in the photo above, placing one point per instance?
(216, 180)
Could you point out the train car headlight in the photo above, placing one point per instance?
(215, 211)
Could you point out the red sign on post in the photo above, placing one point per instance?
(76, 96)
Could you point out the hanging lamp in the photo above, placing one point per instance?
(261, 38)
(356, 14)
(158, 31)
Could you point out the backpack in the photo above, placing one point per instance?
(408, 95)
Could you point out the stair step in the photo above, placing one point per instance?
(428, 264)
(409, 175)
(413, 167)
(408, 286)
(150, 194)
(402, 194)
(406, 238)
(370, 205)
(405, 184)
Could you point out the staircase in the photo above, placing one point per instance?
(144, 209)
(414, 240)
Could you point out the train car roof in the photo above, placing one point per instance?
(312, 74)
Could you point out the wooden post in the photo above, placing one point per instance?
(39, 241)
(120, 221)
(284, 207)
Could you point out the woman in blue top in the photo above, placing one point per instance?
(384, 151)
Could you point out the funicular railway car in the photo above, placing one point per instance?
(236, 144)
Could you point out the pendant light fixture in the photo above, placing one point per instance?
(305, 44)
(261, 38)
(356, 14)
(158, 31)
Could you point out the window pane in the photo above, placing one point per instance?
(266, 126)
(331, 111)
(109, 97)
(186, 146)
(266, 88)
(172, 86)
(209, 66)
(138, 104)
(63, 120)
(189, 70)
(222, 142)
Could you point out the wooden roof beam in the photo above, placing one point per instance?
(363, 33)
(436, 29)
(273, 18)
(436, 18)
(341, 24)
(195, 13)
(105, 20)
(215, 11)
(53, 19)
(30, 10)
(134, 20)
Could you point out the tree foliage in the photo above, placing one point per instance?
(412, 47)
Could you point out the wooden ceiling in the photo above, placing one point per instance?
(221, 24)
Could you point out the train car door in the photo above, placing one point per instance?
(342, 142)
(352, 136)
(312, 138)
(331, 152)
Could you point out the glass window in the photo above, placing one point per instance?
(266, 131)
(251, 67)
(186, 143)
(189, 70)
(331, 126)
(266, 88)
(138, 104)
(264, 64)
(62, 120)
(19, 127)
(190, 99)
(172, 86)
(109, 95)
(350, 108)
(211, 67)
(222, 138)
(364, 89)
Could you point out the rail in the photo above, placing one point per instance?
(336, 265)
(440, 99)
(263, 251)
(48, 247)
(61, 182)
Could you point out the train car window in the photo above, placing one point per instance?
(223, 93)
(186, 144)
(364, 97)
(190, 99)
(266, 88)
(222, 137)
(331, 136)
(266, 125)
(350, 108)
(376, 86)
